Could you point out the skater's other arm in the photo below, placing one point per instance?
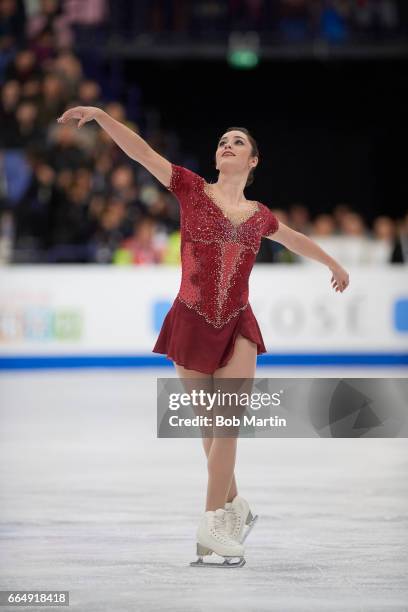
(303, 245)
(131, 143)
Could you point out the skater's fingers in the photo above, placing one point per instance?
(72, 113)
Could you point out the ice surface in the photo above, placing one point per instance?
(92, 502)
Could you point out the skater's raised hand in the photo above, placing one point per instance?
(340, 279)
(83, 113)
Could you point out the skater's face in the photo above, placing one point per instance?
(235, 151)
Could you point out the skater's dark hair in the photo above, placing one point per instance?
(254, 151)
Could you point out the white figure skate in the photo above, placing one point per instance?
(237, 516)
(212, 537)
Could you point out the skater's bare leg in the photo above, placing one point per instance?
(221, 463)
(195, 380)
(242, 363)
(183, 372)
(233, 490)
(205, 382)
(222, 453)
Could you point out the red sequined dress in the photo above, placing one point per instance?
(217, 256)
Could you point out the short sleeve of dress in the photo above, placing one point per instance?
(183, 182)
(271, 222)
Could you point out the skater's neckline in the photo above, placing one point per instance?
(207, 188)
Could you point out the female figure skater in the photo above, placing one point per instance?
(210, 332)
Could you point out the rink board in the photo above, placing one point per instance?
(106, 316)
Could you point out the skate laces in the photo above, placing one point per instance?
(230, 516)
(219, 525)
(219, 520)
(233, 520)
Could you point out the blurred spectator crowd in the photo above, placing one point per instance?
(279, 20)
(344, 234)
(285, 20)
(69, 195)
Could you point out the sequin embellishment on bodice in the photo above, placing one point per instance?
(217, 255)
(242, 218)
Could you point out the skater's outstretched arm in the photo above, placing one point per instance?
(303, 245)
(131, 143)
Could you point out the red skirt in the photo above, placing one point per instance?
(188, 340)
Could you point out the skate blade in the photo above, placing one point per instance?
(250, 522)
(226, 563)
